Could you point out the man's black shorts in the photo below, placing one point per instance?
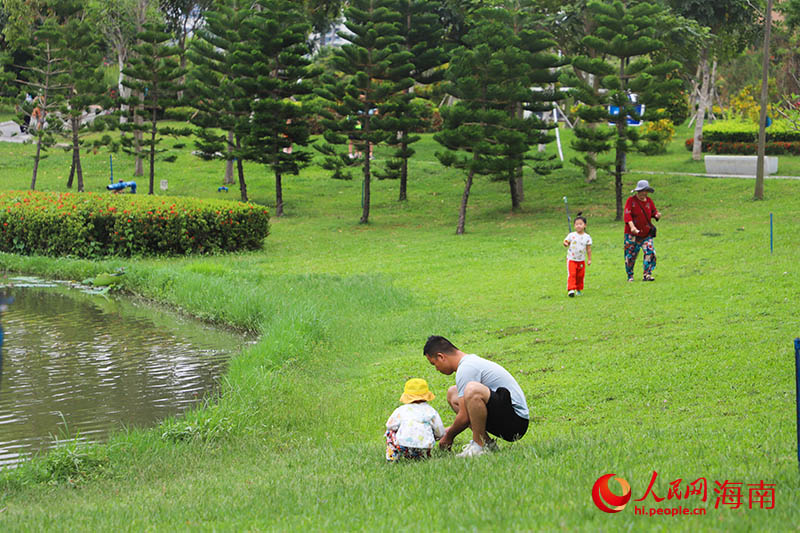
(502, 421)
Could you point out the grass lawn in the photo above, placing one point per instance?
(691, 376)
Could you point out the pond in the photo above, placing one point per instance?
(78, 364)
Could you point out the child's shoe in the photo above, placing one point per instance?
(578, 293)
(571, 294)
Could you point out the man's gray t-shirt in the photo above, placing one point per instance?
(474, 368)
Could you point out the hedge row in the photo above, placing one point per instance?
(746, 148)
(744, 131)
(94, 225)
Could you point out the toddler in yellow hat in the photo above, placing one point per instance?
(414, 427)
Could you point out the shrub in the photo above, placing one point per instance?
(746, 148)
(659, 133)
(745, 131)
(181, 114)
(93, 225)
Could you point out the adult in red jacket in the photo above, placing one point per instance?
(639, 211)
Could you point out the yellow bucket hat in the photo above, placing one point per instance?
(416, 389)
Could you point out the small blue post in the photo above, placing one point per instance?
(111, 166)
(770, 233)
(797, 392)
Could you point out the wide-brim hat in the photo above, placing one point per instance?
(643, 185)
(416, 389)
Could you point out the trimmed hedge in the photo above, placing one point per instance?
(746, 148)
(94, 225)
(745, 131)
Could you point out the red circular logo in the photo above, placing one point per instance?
(606, 500)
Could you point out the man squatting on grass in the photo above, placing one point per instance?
(486, 398)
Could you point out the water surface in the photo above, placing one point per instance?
(75, 364)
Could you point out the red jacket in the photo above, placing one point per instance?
(640, 213)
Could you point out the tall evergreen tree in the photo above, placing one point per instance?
(85, 87)
(281, 70)
(222, 84)
(422, 35)
(493, 73)
(153, 73)
(44, 77)
(622, 43)
(375, 68)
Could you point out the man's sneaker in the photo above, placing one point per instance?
(490, 445)
(473, 449)
(571, 294)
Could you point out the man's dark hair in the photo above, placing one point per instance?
(437, 344)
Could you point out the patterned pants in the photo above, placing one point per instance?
(394, 451)
(632, 247)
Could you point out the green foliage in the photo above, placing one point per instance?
(278, 127)
(619, 55)
(738, 130)
(421, 32)
(73, 463)
(95, 225)
(373, 68)
(660, 134)
(153, 75)
(493, 76)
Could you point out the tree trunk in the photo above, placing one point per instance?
(278, 194)
(153, 152)
(240, 169)
(758, 194)
(702, 104)
(512, 182)
(229, 161)
(36, 160)
(137, 145)
(404, 172)
(462, 211)
(366, 190)
(71, 171)
(76, 154)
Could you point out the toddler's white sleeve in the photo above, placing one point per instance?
(438, 427)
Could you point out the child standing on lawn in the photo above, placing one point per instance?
(414, 427)
(579, 255)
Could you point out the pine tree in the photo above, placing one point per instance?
(222, 86)
(153, 73)
(494, 73)
(85, 84)
(422, 35)
(374, 68)
(277, 125)
(45, 76)
(622, 42)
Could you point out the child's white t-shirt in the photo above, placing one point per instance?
(577, 246)
(418, 425)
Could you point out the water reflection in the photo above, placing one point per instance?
(4, 301)
(79, 364)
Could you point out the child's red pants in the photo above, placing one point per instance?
(576, 270)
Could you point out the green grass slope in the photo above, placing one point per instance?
(691, 376)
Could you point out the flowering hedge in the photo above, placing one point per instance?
(746, 148)
(93, 225)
